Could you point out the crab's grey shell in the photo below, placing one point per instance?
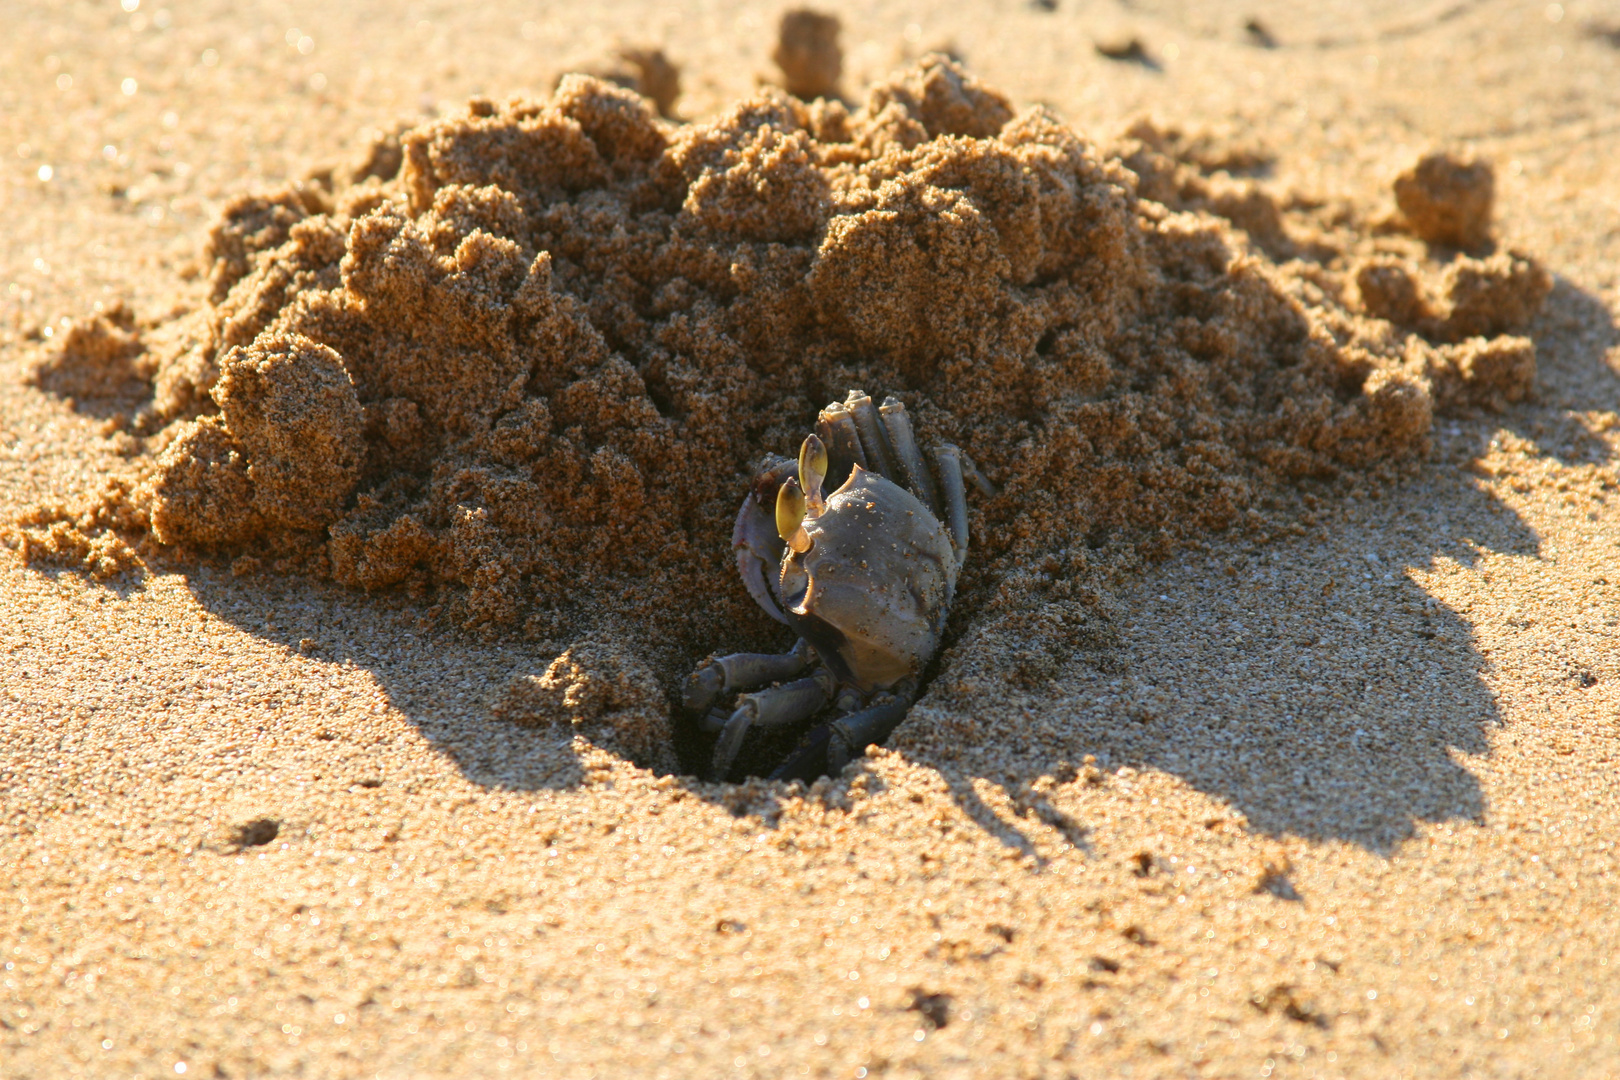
(874, 588)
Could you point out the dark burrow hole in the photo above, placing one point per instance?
(256, 833)
(765, 750)
(1278, 885)
(935, 1008)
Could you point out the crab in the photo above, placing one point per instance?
(865, 575)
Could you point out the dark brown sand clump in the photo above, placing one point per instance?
(808, 53)
(1447, 198)
(521, 364)
(100, 360)
(647, 71)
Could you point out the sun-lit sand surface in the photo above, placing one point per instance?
(1341, 804)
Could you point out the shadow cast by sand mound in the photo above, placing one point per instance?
(1311, 685)
(1318, 693)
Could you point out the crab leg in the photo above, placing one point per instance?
(948, 459)
(830, 747)
(836, 428)
(980, 481)
(851, 734)
(914, 472)
(872, 438)
(743, 671)
(773, 707)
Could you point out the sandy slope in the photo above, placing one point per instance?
(1352, 808)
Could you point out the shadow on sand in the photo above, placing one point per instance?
(1311, 685)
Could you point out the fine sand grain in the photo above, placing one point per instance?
(346, 425)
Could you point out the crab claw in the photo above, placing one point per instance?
(754, 540)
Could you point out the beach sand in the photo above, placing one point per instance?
(1333, 804)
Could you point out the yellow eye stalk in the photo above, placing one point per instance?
(797, 499)
(790, 511)
(812, 472)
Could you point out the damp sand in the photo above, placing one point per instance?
(1331, 800)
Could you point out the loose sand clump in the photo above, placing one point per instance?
(808, 53)
(605, 693)
(282, 454)
(647, 71)
(522, 363)
(99, 360)
(1446, 199)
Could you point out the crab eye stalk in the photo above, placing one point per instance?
(790, 510)
(812, 474)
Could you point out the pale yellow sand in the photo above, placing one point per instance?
(1354, 808)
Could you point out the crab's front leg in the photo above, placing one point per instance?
(881, 439)
(948, 462)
